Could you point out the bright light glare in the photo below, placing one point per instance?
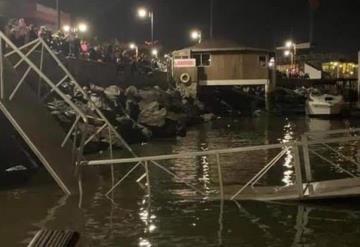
(83, 27)
(142, 12)
(195, 34)
(287, 53)
(154, 52)
(271, 62)
(288, 44)
(132, 46)
(66, 28)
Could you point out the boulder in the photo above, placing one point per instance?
(151, 114)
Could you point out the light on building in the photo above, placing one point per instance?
(287, 53)
(288, 44)
(271, 62)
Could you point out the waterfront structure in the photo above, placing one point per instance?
(220, 63)
(320, 66)
(33, 12)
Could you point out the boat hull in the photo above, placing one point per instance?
(316, 109)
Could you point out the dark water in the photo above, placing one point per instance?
(171, 216)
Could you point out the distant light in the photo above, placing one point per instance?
(289, 44)
(195, 35)
(66, 28)
(132, 46)
(83, 27)
(142, 13)
(287, 53)
(154, 52)
(271, 62)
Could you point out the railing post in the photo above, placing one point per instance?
(148, 178)
(220, 175)
(307, 164)
(298, 174)
(41, 69)
(1, 69)
(221, 185)
(111, 157)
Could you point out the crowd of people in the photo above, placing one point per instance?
(73, 44)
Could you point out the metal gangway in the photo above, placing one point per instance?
(26, 85)
(303, 152)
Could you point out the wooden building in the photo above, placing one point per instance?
(221, 63)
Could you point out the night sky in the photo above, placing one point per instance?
(257, 23)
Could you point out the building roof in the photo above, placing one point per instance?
(221, 45)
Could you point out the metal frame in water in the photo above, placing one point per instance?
(304, 189)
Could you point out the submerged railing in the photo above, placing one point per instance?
(296, 148)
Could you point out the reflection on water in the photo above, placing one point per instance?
(168, 217)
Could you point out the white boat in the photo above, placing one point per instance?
(324, 104)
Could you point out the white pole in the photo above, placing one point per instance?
(358, 86)
(1, 70)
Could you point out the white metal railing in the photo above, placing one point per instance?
(9, 52)
(295, 147)
(6, 44)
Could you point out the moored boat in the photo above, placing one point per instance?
(324, 104)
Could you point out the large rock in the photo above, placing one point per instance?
(151, 114)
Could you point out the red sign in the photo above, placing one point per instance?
(184, 63)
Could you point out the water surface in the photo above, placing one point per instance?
(172, 216)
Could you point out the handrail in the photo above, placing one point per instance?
(184, 155)
(22, 47)
(86, 96)
(213, 152)
(44, 77)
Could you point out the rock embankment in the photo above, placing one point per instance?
(138, 114)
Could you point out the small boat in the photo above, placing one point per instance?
(324, 104)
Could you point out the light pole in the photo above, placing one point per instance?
(291, 51)
(144, 13)
(196, 35)
(58, 14)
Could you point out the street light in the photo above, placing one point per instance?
(143, 13)
(196, 35)
(83, 27)
(289, 44)
(58, 13)
(291, 51)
